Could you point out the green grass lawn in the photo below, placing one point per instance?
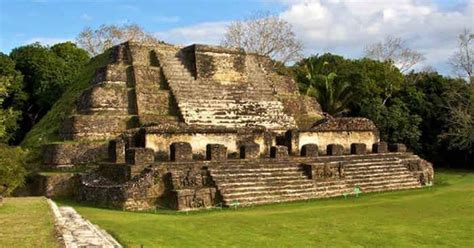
(439, 217)
(26, 222)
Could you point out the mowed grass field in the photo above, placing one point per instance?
(442, 216)
(26, 222)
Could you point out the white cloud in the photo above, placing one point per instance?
(207, 32)
(346, 27)
(86, 17)
(46, 40)
(166, 19)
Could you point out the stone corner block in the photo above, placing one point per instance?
(181, 151)
(116, 151)
(139, 156)
(279, 152)
(309, 150)
(216, 152)
(250, 151)
(397, 147)
(358, 148)
(334, 150)
(380, 147)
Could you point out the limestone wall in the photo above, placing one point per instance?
(160, 142)
(345, 138)
(225, 66)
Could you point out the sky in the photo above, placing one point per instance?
(341, 27)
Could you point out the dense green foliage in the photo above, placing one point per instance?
(47, 129)
(438, 217)
(12, 170)
(430, 113)
(27, 222)
(12, 98)
(47, 73)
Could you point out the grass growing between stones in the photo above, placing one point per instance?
(442, 216)
(26, 222)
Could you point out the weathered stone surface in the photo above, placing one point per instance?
(358, 148)
(117, 151)
(111, 98)
(70, 154)
(292, 140)
(335, 150)
(56, 184)
(279, 152)
(95, 127)
(216, 152)
(421, 169)
(139, 156)
(380, 147)
(75, 231)
(250, 151)
(398, 147)
(309, 150)
(181, 151)
(112, 73)
(187, 199)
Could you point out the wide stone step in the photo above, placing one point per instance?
(230, 179)
(386, 183)
(378, 174)
(264, 169)
(263, 199)
(258, 183)
(387, 171)
(374, 168)
(389, 187)
(365, 164)
(266, 189)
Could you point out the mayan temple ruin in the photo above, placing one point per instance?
(203, 126)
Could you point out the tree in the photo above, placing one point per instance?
(264, 34)
(366, 88)
(106, 36)
(12, 98)
(12, 171)
(334, 97)
(460, 122)
(47, 73)
(463, 59)
(395, 50)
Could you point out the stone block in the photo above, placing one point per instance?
(309, 150)
(335, 150)
(380, 147)
(181, 151)
(279, 152)
(140, 156)
(292, 141)
(397, 147)
(250, 151)
(117, 151)
(103, 98)
(358, 148)
(216, 152)
(70, 154)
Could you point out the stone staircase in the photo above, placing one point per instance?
(379, 174)
(207, 102)
(252, 183)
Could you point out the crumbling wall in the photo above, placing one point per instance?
(218, 64)
(160, 142)
(345, 138)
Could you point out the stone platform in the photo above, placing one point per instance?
(185, 185)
